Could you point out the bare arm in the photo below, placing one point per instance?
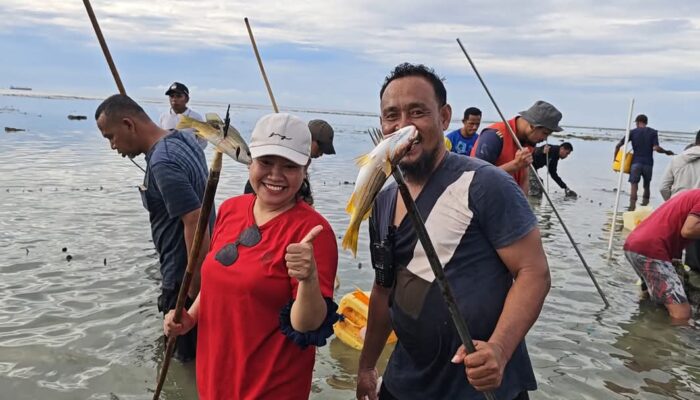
(523, 158)
(526, 260)
(188, 319)
(378, 327)
(378, 331)
(660, 149)
(617, 147)
(691, 227)
(309, 308)
(189, 221)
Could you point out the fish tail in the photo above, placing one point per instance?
(351, 237)
(350, 208)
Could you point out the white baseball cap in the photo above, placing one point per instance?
(281, 135)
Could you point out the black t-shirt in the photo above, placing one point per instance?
(470, 208)
(540, 159)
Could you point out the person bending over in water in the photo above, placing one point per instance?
(656, 241)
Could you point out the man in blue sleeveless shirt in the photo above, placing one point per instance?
(172, 191)
(487, 239)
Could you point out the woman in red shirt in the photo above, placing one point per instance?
(267, 283)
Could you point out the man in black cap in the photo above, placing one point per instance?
(179, 97)
(496, 144)
(321, 138)
(645, 141)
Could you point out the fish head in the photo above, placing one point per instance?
(236, 147)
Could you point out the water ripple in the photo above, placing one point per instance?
(81, 329)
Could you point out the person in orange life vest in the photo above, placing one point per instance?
(496, 144)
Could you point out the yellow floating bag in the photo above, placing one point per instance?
(351, 329)
(618, 160)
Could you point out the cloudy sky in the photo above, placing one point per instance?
(585, 57)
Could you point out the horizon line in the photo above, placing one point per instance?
(58, 96)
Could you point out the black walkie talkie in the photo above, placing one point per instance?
(383, 259)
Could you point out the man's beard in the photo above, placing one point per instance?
(526, 142)
(419, 170)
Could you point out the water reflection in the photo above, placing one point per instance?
(665, 358)
(89, 330)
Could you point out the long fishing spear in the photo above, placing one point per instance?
(433, 258)
(260, 64)
(195, 251)
(204, 212)
(108, 57)
(619, 180)
(534, 171)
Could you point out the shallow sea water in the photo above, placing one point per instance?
(88, 328)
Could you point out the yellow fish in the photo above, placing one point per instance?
(375, 168)
(213, 131)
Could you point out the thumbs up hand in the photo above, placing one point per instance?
(300, 256)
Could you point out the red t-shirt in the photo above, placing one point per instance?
(659, 235)
(241, 351)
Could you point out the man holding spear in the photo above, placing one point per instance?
(172, 191)
(488, 241)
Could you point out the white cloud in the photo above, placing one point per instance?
(578, 40)
(580, 43)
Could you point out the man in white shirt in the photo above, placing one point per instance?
(179, 97)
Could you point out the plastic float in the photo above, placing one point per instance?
(351, 328)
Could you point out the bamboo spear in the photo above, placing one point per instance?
(108, 57)
(539, 181)
(260, 64)
(193, 257)
(204, 213)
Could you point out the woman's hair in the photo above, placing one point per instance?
(305, 191)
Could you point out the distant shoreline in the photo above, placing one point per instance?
(54, 96)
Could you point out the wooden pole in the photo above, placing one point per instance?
(204, 212)
(619, 180)
(200, 230)
(539, 181)
(105, 49)
(260, 64)
(108, 57)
